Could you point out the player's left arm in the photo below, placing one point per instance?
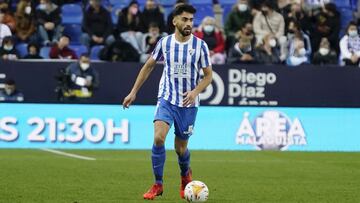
(190, 96)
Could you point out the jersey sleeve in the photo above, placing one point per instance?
(157, 52)
(205, 60)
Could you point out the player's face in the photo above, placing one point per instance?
(184, 23)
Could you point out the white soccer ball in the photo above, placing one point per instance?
(196, 191)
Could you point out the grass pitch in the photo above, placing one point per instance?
(123, 176)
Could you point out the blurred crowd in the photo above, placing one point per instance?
(291, 32)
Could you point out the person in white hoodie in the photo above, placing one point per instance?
(350, 46)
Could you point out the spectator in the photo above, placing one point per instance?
(268, 21)
(170, 26)
(97, 25)
(213, 38)
(129, 25)
(4, 29)
(247, 32)
(83, 80)
(152, 13)
(119, 51)
(7, 50)
(297, 14)
(299, 57)
(268, 52)
(33, 52)
(325, 55)
(10, 92)
(25, 23)
(150, 40)
(350, 46)
(241, 53)
(295, 32)
(8, 19)
(238, 17)
(283, 7)
(327, 24)
(49, 20)
(61, 50)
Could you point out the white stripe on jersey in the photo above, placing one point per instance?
(182, 66)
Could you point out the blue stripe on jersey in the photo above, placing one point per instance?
(157, 52)
(205, 55)
(185, 55)
(193, 59)
(168, 49)
(176, 79)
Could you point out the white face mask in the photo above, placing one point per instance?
(242, 7)
(28, 10)
(302, 52)
(353, 33)
(209, 28)
(8, 91)
(272, 43)
(324, 51)
(42, 6)
(84, 66)
(8, 48)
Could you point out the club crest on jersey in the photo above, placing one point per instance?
(191, 52)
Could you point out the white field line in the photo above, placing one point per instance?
(68, 154)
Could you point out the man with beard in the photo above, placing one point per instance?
(184, 57)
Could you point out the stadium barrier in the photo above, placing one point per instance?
(66, 126)
(233, 85)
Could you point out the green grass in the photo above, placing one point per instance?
(123, 176)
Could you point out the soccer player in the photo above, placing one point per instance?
(184, 57)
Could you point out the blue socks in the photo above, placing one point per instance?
(184, 163)
(158, 160)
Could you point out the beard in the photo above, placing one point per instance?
(186, 31)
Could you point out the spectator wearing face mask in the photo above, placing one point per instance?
(97, 26)
(325, 55)
(10, 92)
(48, 20)
(268, 21)
(247, 32)
(241, 53)
(213, 37)
(83, 80)
(150, 40)
(152, 13)
(350, 46)
(130, 25)
(295, 32)
(268, 52)
(25, 22)
(61, 50)
(299, 57)
(237, 18)
(7, 50)
(4, 29)
(33, 52)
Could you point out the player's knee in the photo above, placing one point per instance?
(159, 140)
(180, 150)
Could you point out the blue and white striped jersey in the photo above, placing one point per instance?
(182, 64)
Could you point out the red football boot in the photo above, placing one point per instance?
(184, 181)
(155, 190)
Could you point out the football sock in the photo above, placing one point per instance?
(184, 162)
(158, 160)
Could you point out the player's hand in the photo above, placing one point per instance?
(190, 97)
(128, 100)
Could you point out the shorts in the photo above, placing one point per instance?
(182, 117)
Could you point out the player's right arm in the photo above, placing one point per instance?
(141, 78)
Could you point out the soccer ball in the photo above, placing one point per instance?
(196, 191)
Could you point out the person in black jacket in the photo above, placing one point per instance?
(33, 52)
(152, 13)
(97, 25)
(49, 22)
(7, 50)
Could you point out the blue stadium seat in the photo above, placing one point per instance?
(74, 31)
(115, 10)
(202, 12)
(119, 2)
(354, 4)
(167, 11)
(22, 49)
(168, 3)
(71, 14)
(227, 2)
(226, 11)
(206, 2)
(44, 52)
(79, 49)
(346, 16)
(94, 52)
(342, 3)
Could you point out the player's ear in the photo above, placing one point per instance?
(174, 20)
